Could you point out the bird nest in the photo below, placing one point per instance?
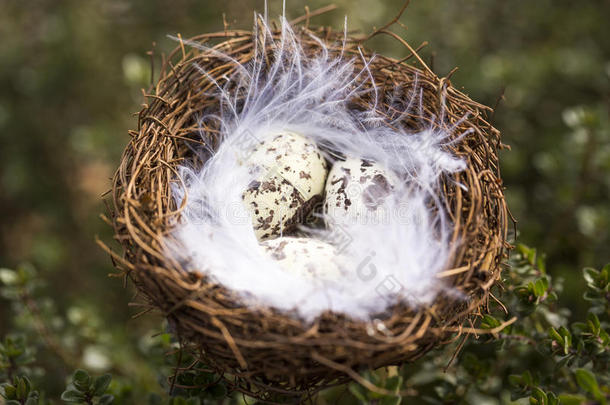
(261, 350)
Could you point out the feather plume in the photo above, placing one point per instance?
(383, 261)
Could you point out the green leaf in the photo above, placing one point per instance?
(594, 320)
(540, 263)
(390, 401)
(540, 287)
(371, 376)
(358, 391)
(567, 339)
(101, 383)
(393, 383)
(540, 396)
(528, 253)
(22, 389)
(515, 380)
(571, 399)
(489, 322)
(82, 380)
(105, 399)
(10, 392)
(555, 336)
(28, 385)
(604, 276)
(527, 378)
(71, 395)
(553, 400)
(590, 275)
(587, 382)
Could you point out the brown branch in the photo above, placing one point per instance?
(388, 25)
(314, 13)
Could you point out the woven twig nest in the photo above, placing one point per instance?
(262, 349)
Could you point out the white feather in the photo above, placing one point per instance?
(384, 261)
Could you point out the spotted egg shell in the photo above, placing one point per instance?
(356, 191)
(307, 257)
(292, 174)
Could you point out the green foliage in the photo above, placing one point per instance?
(83, 389)
(541, 357)
(598, 293)
(15, 356)
(19, 392)
(62, 134)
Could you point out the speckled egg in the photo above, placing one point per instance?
(292, 174)
(307, 257)
(356, 191)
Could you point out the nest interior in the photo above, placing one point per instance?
(262, 350)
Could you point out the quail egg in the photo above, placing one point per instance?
(356, 191)
(308, 257)
(291, 177)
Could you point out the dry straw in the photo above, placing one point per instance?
(261, 351)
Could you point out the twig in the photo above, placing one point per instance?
(359, 379)
(475, 331)
(388, 25)
(456, 352)
(314, 13)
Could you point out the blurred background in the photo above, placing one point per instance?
(70, 78)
